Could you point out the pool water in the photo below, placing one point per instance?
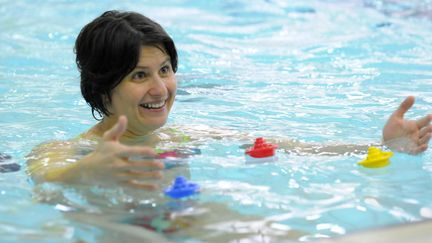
(318, 71)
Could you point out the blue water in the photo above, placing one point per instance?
(317, 71)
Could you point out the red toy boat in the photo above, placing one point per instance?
(261, 149)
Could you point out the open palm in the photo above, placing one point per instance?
(409, 136)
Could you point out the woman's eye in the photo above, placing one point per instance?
(165, 69)
(139, 75)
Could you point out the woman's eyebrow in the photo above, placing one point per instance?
(167, 60)
(141, 67)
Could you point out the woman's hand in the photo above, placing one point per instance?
(110, 162)
(407, 136)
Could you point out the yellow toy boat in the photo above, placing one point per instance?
(376, 158)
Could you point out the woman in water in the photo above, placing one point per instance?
(127, 64)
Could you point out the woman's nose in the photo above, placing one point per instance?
(158, 87)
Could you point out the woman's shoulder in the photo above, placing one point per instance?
(77, 145)
(61, 146)
(93, 134)
(51, 145)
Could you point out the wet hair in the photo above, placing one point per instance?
(108, 48)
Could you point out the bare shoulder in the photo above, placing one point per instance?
(55, 154)
(51, 146)
(63, 147)
(43, 156)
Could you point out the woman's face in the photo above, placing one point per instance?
(145, 96)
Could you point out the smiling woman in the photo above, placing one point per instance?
(127, 65)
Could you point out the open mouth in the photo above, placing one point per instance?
(154, 106)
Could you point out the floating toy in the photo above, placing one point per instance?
(177, 157)
(171, 159)
(261, 151)
(376, 158)
(181, 188)
(179, 153)
(168, 154)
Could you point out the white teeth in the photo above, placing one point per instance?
(153, 105)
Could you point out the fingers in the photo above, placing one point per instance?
(425, 138)
(423, 141)
(140, 179)
(425, 135)
(419, 149)
(141, 185)
(148, 164)
(138, 174)
(424, 121)
(141, 174)
(117, 130)
(139, 152)
(425, 130)
(404, 107)
(144, 165)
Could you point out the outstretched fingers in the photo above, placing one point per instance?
(404, 107)
(142, 185)
(140, 174)
(423, 122)
(419, 149)
(144, 165)
(425, 138)
(138, 151)
(116, 131)
(425, 131)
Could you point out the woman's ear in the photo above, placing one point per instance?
(107, 102)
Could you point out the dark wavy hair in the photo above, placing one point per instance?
(108, 48)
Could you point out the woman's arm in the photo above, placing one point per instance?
(398, 134)
(197, 132)
(108, 163)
